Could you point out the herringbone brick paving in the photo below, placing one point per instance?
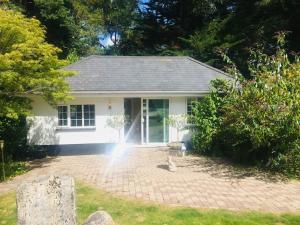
(199, 182)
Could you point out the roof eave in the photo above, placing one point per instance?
(138, 93)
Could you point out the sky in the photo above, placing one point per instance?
(105, 40)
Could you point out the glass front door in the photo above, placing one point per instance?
(156, 112)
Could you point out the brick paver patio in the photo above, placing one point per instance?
(199, 182)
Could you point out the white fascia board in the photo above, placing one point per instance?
(138, 93)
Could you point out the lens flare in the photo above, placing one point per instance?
(117, 154)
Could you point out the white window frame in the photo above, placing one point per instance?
(76, 118)
(82, 118)
(68, 122)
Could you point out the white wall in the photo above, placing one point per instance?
(43, 124)
(177, 106)
(44, 131)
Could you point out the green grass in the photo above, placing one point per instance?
(133, 212)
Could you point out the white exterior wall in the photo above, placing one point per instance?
(44, 130)
(43, 124)
(177, 106)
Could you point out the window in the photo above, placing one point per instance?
(89, 115)
(76, 115)
(80, 115)
(189, 105)
(62, 115)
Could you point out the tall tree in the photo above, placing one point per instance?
(70, 24)
(119, 19)
(162, 24)
(243, 26)
(28, 65)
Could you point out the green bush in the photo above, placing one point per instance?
(12, 168)
(206, 117)
(14, 134)
(258, 120)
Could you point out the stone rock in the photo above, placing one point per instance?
(48, 200)
(99, 218)
(171, 165)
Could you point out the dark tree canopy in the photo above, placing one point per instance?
(199, 28)
(71, 25)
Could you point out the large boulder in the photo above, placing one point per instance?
(99, 218)
(47, 201)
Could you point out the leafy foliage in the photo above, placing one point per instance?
(258, 120)
(240, 25)
(206, 117)
(198, 28)
(28, 65)
(71, 25)
(13, 168)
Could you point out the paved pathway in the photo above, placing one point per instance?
(199, 182)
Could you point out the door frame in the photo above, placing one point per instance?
(138, 115)
(147, 120)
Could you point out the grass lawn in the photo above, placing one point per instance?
(130, 212)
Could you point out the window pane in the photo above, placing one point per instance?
(86, 123)
(73, 123)
(92, 108)
(92, 122)
(89, 115)
(62, 115)
(76, 115)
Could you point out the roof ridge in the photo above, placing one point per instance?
(135, 56)
(208, 66)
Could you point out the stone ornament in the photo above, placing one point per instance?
(47, 201)
(50, 200)
(99, 218)
(171, 165)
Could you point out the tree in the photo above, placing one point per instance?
(261, 119)
(71, 25)
(179, 122)
(117, 122)
(119, 19)
(28, 65)
(207, 116)
(240, 25)
(162, 25)
(255, 121)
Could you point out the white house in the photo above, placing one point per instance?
(145, 89)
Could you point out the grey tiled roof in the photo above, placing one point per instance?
(142, 73)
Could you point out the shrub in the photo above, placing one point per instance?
(14, 134)
(206, 117)
(256, 121)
